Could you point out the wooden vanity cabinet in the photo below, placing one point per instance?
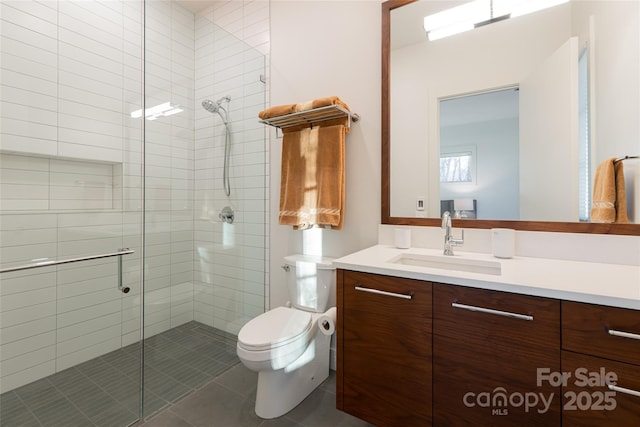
(601, 346)
(488, 347)
(384, 349)
(415, 353)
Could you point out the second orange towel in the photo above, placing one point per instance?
(312, 185)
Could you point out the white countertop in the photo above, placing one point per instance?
(595, 283)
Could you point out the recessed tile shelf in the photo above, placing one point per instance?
(37, 183)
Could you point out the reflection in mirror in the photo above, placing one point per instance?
(579, 103)
(479, 154)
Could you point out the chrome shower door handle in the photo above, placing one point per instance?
(121, 287)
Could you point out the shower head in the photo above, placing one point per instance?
(210, 106)
(216, 107)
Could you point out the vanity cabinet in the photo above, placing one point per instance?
(384, 349)
(601, 347)
(488, 347)
(416, 353)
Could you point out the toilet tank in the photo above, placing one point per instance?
(310, 280)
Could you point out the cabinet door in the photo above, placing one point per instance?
(587, 399)
(384, 349)
(487, 349)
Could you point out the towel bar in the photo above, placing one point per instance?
(619, 159)
(311, 117)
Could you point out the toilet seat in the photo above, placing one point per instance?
(275, 328)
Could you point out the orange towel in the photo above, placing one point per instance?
(281, 110)
(278, 110)
(609, 193)
(320, 102)
(312, 183)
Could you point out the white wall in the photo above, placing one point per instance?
(318, 49)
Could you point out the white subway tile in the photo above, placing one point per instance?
(26, 253)
(112, 11)
(27, 280)
(27, 298)
(77, 356)
(43, 23)
(27, 98)
(89, 219)
(89, 152)
(26, 345)
(26, 329)
(74, 303)
(26, 376)
(26, 82)
(87, 313)
(87, 286)
(22, 65)
(28, 313)
(28, 360)
(28, 237)
(28, 129)
(87, 327)
(92, 25)
(29, 113)
(89, 247)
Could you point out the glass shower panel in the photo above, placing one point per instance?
(203, 277)
(70, 199)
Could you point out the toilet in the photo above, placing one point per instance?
(289, 346)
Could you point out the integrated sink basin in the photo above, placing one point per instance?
(450, 263)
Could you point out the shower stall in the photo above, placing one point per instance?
(122, 286)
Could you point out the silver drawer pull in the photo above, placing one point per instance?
(623, 334)
(491, 311)
(379, 292)
(623, 390)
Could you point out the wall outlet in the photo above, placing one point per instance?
(420, 204)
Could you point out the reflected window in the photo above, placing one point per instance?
(457, 166)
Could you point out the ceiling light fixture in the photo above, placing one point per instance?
(478, 13)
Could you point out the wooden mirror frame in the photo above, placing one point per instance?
(386, 218)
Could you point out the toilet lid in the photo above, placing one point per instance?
(274, 328)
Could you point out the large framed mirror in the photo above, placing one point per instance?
(466, 128)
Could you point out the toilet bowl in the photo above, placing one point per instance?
(275, 339)
(285, 345)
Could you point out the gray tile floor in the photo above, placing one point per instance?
(105, 391)
(228, 401)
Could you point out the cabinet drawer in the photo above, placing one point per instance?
(479, 315)
(609, 332)
(586, 402)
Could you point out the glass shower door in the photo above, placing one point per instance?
(71, 185)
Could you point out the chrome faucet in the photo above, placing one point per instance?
(449, 241)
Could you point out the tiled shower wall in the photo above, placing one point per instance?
(70, 181)
(169, 156)
(72, 173)
(231, 44)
